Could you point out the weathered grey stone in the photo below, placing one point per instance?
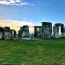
(13, 34)
(58, 30)
(38, 31)
(24, 31)
(46, 29)
(7, 33)
(1, 32)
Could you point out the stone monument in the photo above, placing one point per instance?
(46, 29)
(13, 34)
(37, 31)
(58, 30)
(1, 33)
(7, 33)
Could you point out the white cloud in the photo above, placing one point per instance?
(17, 0)
(14, 2)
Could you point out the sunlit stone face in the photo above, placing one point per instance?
(7, 35)
(37, 29)
(58, 30)
(46, 29)
(46, 32)
(23, 34)
(24, 31)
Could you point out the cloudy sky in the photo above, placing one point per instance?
(33, 11)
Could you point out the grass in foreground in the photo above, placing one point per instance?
(39, 52)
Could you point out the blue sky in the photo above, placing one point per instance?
(34, 11)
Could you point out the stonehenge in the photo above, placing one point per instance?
(43, 31)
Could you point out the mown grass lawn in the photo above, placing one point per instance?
(38, 52)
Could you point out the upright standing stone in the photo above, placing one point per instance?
(20, 32)
(46, 29)
(7, 33)
(64, 33)
(1, 32)
(13, 34)
(37, 31)
(25, 31)
(58, 30)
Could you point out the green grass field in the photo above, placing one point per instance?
(38, 52)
